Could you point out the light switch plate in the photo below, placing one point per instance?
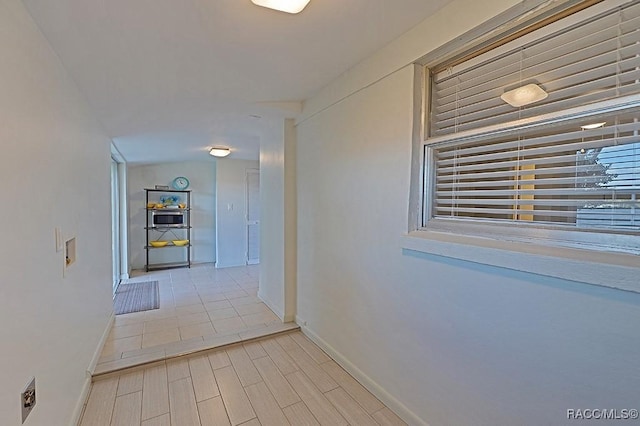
(59, 240)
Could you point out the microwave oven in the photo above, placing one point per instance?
(161, 219)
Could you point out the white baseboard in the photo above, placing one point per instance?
(105, 334)
(84, 394)
(220, 265)
(389, 400)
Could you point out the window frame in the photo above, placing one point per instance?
(601, 256)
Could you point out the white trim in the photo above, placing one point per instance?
(86, 387)
(371, 385)
(614, 270)
(105, 334)
(220, 265)
(82, 400)
(116, 154)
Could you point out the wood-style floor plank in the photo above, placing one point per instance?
(350, 409)
(127, 410)
(155, 392)
(310, 348)
(204, 382)
(164, 420)
(265, 405)
(245, 369)
(219, 359)
(184, 411)
(318, 376)
(177, 369)
(130, 382)
(358, 392)
(275, 381)
(321, 408)
(235, 399)
(254, 350)
(212, 412)
(100, 404)
(386, 417)
(279, 356)
(299, 415)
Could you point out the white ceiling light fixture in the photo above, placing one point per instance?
(593, 126)
(289, 6)
(219, 151)
(524, 95)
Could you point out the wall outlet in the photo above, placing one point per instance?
(28, 399)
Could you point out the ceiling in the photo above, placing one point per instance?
(169, 78)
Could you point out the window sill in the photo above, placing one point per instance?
(607, 269)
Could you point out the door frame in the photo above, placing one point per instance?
(253, 222)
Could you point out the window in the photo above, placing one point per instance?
(568, 163)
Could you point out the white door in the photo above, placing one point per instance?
(253, 217)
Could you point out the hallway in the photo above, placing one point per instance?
(261, 372)
(199, 307)
(279, 380)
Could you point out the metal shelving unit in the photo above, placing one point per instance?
(156, 232)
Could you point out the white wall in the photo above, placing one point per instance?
(443, 341)
(278, 222)
(231, 210)
(55, 172)
(202, 178)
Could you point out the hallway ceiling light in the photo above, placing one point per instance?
(289, 6)
(218, 151)
(524, 95)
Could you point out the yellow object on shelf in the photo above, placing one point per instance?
(180, 242)
(151, 205)
(158, 243)
(159, 206)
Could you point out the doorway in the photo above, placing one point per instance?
(253, 217)
(115, 225)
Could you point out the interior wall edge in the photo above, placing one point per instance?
(275, 308)
(371, 385)
(103, 339)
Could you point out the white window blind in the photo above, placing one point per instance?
(489, 161)
(589, 61)
(555, 173)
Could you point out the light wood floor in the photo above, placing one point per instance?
(282, 380)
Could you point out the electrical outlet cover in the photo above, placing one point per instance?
(28, 399)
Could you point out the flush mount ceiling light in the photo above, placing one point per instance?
(218, 151)
(593, 126)
(524, 95)
(289, 6)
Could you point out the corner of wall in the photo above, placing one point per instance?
(372, 386)
(275, 308)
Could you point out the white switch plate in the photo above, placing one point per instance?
(59, 242)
